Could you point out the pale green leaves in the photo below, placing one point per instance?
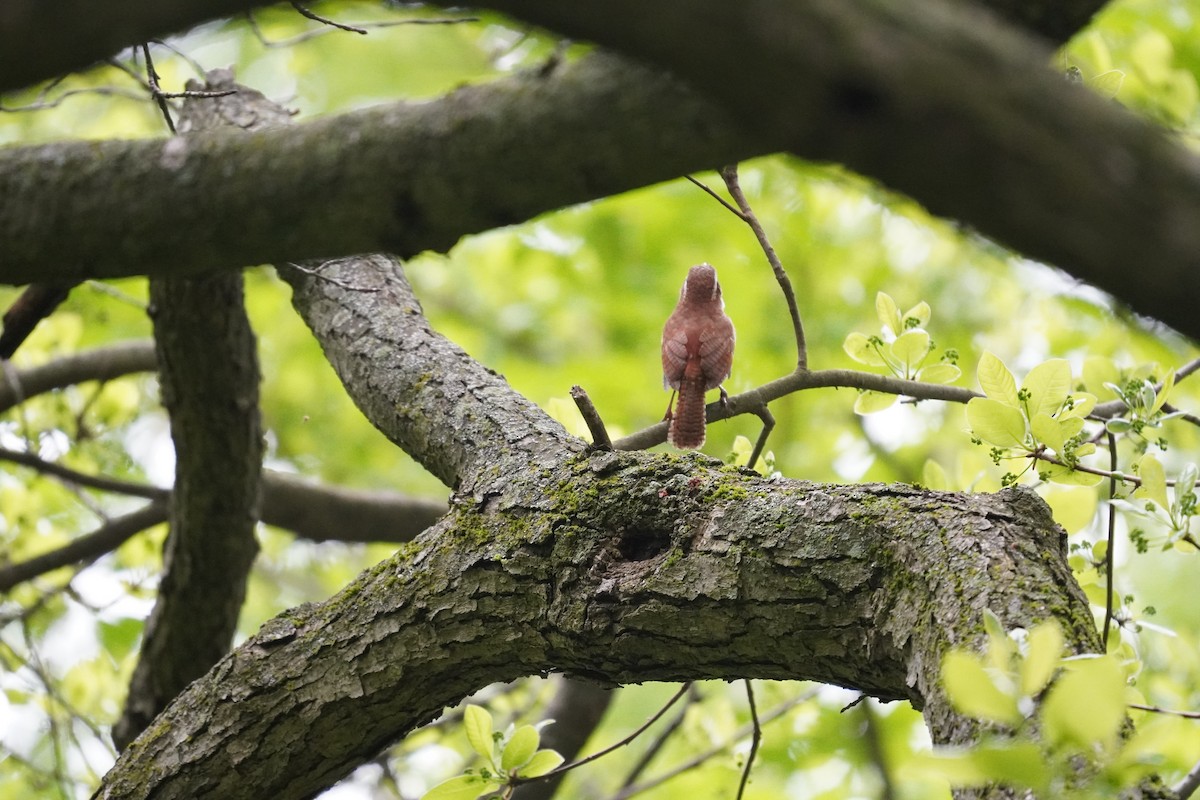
(508, 757)
(1173, 510)
(1083, 701)
(902, 347)
(1041, 418)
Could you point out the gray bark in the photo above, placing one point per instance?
(612, 567)
(208, 372)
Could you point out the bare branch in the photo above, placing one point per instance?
(101, 364)
(87, 548)
(730, 176)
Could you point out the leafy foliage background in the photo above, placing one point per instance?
(579, 296)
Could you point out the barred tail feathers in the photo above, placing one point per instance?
(686, 430)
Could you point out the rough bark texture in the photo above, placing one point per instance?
(40, 39)
(208, 372)
(612, 567)
(403, 178)
(618, 568)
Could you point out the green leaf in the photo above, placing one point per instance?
(934, 477)
(1042, 657)
(1099, 372)
(1048, 385)
(1154, 481)
(1086, 705)
(910, 348)
(1161, 398)
(1067, 476)
(920, 312)
(1081, 404)
(995, 422)
(543, 761)
(869, 402)
(888, 313)
(996, 380)
(1012, 763)
(939, 373)
(972, 692)
(863, 350)
(520, 748)
(462, 787)
(1046, 430)
(478, 724)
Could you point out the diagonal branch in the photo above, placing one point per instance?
(457, 418)
(100, 364)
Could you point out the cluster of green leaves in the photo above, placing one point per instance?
(903, 347)
(1056, 721)
(508, 756)
(1042, 417)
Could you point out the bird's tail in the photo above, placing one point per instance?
(686, 430)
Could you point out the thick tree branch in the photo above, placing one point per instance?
(27, 55)
(208, 372)
(618, 568)
(459, 420)
(943, 101)
(400, 178)
(41, 39)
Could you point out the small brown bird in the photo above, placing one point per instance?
(697, 353)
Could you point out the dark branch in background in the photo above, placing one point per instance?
(208, 373)
(76, 478)
(307, 509)
(358, 27)
(730, 176)
(101, 364)
(755, 739)
(577, 709)
(304, 12)
(87, 548)
(84, 34)
(31, 307)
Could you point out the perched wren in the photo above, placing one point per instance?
(697, 353)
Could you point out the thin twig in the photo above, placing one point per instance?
(656, 746)
(700, 758)
(705, 187)
(315, 272)
(591, 417)
(1171, 711)
(755, 739)
(730, 176)
(1112, 408)
(1112, 527)
(315, 17)
(574, 764)
(69, 475)
(156, 92)
(768, 421)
